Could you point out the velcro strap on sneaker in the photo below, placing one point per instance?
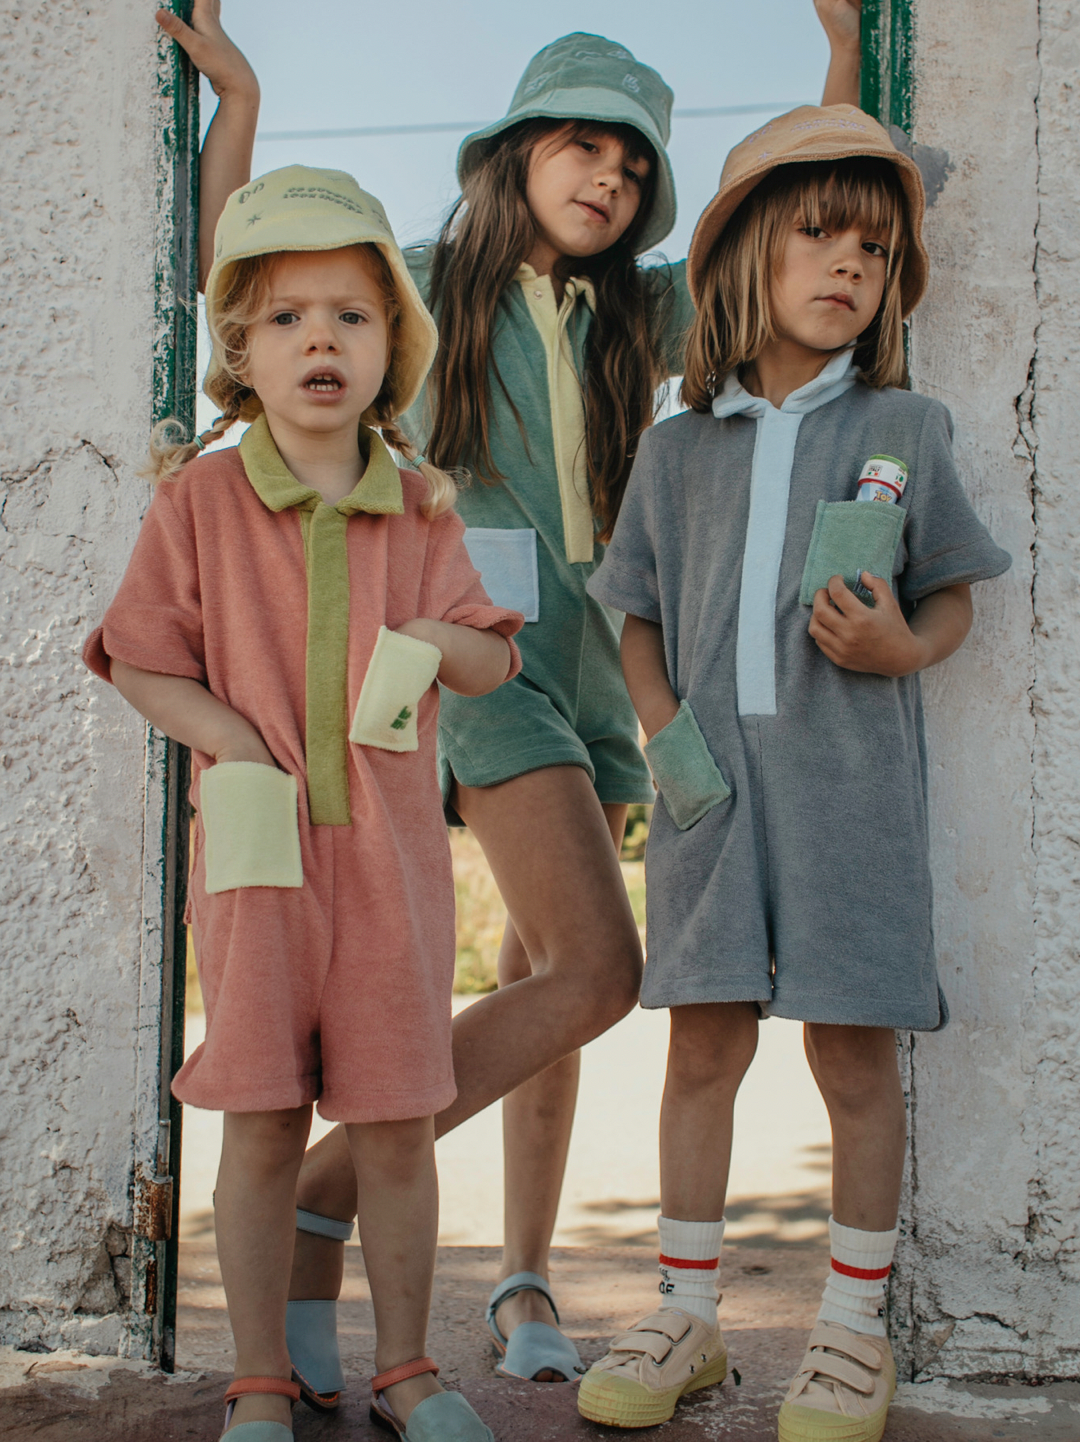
(839, 1369)
(655, 1336)
(848, 1343)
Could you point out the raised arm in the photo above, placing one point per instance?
(225, 164)
(841, 21)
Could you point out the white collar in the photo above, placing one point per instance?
(838, 376)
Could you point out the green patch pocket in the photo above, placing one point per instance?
(688, 779)
(249, 815)
(849, 537)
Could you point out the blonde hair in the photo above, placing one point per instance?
(229, 322)
(734, 316)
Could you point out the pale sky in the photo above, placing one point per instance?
(339, 64)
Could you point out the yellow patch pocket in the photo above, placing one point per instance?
(850, 537)
(687, 777)
(399, 673)
(249, 814)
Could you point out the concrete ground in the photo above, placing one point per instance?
(603, 1270)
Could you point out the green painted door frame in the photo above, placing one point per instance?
(887, 85)
(157, 1210)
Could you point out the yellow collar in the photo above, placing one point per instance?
(575, 286)
(377, 491)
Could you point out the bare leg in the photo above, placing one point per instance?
(712, 1045)
(399, 1224)
(253, 1213)
(538, 1117)
(549, 844)
(855, 1068)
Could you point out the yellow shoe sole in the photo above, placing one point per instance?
(809, 1424)
(618, 1402)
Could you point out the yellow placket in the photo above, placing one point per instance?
(567, 404)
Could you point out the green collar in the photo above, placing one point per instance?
(378, 490)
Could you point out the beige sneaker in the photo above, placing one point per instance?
(842, 1390)
(649, 1368)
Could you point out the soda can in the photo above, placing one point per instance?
(883, 478)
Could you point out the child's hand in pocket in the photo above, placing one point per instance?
(876, 639)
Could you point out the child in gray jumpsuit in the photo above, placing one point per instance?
(775, 628)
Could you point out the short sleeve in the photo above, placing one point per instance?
(946, 542)
(453, 591)
(673, 313)
(626, 578)
(155, 619)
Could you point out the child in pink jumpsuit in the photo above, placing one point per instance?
(288, 608)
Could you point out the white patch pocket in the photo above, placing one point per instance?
(506, 561)
(249, 815)
(399, 673)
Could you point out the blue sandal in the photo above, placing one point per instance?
(311, 1329)
(445, 1417)
(532, 1347)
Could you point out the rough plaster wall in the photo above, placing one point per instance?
(987, 1280)
(79, 122)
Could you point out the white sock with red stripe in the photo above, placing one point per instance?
(855, 1292)
(690, 1266)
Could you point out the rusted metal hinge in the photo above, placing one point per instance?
(153, 1206)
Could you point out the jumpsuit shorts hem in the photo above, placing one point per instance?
(288, 1093)
(610, 790)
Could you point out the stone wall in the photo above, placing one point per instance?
(82, 119)
(988, 1280)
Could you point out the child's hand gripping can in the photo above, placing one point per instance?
(883, 478)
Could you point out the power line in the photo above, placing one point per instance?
(464, 126)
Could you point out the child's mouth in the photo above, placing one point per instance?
(322, 384)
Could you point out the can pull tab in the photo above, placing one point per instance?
(883, 478)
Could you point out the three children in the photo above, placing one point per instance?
(766, 654)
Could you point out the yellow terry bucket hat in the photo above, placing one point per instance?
(300, 208)
(811, 133)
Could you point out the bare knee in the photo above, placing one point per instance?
(396, 1152)
(266, 1142)
(711, 1046)
(852, 1065)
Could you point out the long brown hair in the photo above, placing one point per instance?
(484, 240)
(239, 308)
(734, 317)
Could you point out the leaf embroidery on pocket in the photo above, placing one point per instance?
(402, 719)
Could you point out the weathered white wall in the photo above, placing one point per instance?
(81, 122)
(988, 1277)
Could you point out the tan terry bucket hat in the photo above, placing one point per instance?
(811, 133)
(300, 208)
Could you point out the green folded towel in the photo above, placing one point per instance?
(851, 537)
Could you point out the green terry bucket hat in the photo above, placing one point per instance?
(300, 208)
(585, 77)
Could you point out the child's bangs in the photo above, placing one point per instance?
(858, 192)
(634, 144)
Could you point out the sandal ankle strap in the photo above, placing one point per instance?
(382, 1380)
(267, 1386)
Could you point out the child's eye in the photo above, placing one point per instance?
(815, 232)
(284, 317)
(632, 176)
(589, 147)
(352, 317)
(874, 247)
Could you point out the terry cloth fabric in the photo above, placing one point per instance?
(760, 900)
(338, 991)
(690, 1266)
(586, 77)
(569, 706)
(859, 1270)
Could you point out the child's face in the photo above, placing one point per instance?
(584, 194)
(319, 350)
(828, 285)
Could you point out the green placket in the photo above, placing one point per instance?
(326, 557)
